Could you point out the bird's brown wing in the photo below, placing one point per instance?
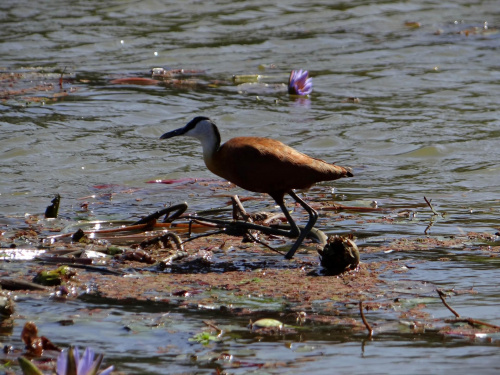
(267, 166)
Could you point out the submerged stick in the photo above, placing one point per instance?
(255, 239)
(242, 228)
(17, 284)
(239, 209)
(164, 239)
(459, 319)
(106, 231)
(441, 295)
(178, 208)
(61, 78)
(365, 322)
(472, 322)
(430, 206)
(211, 325)
(133, 227)
(434, 214)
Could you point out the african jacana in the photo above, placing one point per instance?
(262, 165)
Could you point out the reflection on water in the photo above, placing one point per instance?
(426, 124)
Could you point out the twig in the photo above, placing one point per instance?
(441, 295)
(171, 258)
(178, 208)
(459, 319)
(225, 231)
(61, 78)
(253, 238)
(113, 230)
(365, 322)
(239, 209)
(173, 237)
(17, 284)
(203, 235)
(472, 322)
(164, 240)
(128, 228)
(99, 269)
(71, 260)
(341, 207)
(431, 223)
(211, 325)
(273, 217)
(241, 227)
(430, 206)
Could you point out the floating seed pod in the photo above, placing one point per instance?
(339, 254)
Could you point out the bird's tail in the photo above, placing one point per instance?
(348, 172)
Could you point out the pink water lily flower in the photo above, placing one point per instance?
(299, 83)
(70, 364)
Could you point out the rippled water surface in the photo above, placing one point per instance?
(427, 123)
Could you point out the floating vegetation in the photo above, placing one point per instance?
(35, 86)
(54, 277)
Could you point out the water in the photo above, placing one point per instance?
(427, 125)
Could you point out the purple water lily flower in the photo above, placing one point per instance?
(299, 83)
(71, 364)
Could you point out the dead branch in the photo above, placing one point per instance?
(430, 206)
(431, 223)
(441, 295)
(17, 284)
(61, 78)
(255, 239)
(472, 322)
(341, 207)
(211, 325)
(239, 210)
(164, 239)
(113, 230)
(459, 319)
(178, 208)
(365, 322)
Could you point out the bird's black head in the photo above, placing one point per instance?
(192, 124)
(200, 127)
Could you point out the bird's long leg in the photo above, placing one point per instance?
(313, 216)
(294, 229)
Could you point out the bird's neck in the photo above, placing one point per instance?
(210, 142)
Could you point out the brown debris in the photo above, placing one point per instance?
(35, 345)
(23, 86)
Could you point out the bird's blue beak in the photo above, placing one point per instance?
(173, 133)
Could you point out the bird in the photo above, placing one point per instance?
(262, 165)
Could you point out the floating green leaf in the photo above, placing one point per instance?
(267, 323)
(204, 338)
(28, 367)
(54, 277)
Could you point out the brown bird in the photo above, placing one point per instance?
(262, 165)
